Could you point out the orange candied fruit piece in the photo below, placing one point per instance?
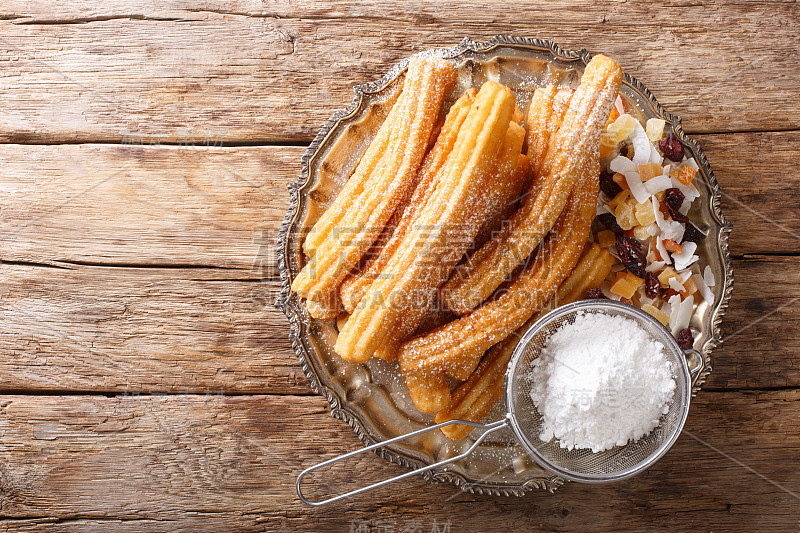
(606, 238)
(672, 246)
(625, 284)
(648, 171)
(620, 180)
(686, 174)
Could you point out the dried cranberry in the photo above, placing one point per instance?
(610, 222)
(671, 148)
(685, 339)
(673, 199)
(692, 234)
(608, 185)
(651, 285)
(631, 254)
(594, 294)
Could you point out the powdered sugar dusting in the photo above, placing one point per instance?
(600, 382)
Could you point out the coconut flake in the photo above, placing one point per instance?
(685, 206)
(662, 251)
(692, 163)
(658, 184)
(676, 285)
(674, 307)
(708, 276)
(655, 266)
(708, 296)
(652, 229)
(684, 275)
(683, 316)
(685, 257)
(636, 186)
(642, 148)
(622, 164)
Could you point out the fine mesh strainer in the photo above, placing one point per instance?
(579, 464)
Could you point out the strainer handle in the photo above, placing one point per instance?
(488, 428)
(697, 368)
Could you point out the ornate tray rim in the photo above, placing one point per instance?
(289, 303)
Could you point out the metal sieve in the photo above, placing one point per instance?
(579, 464)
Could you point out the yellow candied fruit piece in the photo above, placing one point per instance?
(640, 232)
(654, 129)
(625, 216)
(644, 214)
(620, 129)
(606, 238)
(619, 198)
(686, 174)
(689, 287)
(607, 145)
(648, 171)
(625, 284)
(656, 313)
(666, 274)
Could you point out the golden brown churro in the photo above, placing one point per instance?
(545, 114)
(456, 348)
(359, 214)
(446, 226)
(474, 398)
(577, 136)
(355, 285)
(484, 207)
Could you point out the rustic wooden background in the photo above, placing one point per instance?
(146, 381)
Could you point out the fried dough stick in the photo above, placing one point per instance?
(456, 348)
(474, 398)
(579, 132)
(361, 211)
(356, 284)
(446, 226)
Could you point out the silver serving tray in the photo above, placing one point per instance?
(370, 397)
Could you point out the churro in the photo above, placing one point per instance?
(545, 114)
(355, 284)
(456, 348)
(359, 215)
(474, 398)
(567, 157)
(445, 227)
(488, 206)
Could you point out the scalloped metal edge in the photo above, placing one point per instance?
(289, 303)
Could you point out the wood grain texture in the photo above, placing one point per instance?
(134, 205)
(248, 72)
(171, 330)
(210, 463)
(222, 207)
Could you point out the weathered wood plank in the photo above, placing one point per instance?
(161, 457)
(144, 330)
(222, 207)
(117, 204)
(192, 72)
(212, 330)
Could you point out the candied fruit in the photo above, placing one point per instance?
(621, 129)
(656, 313)
(649, 171)
(654, 129)
(625, 284)
(686, 174)
(606, 238)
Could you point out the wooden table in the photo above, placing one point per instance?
(147, 381)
